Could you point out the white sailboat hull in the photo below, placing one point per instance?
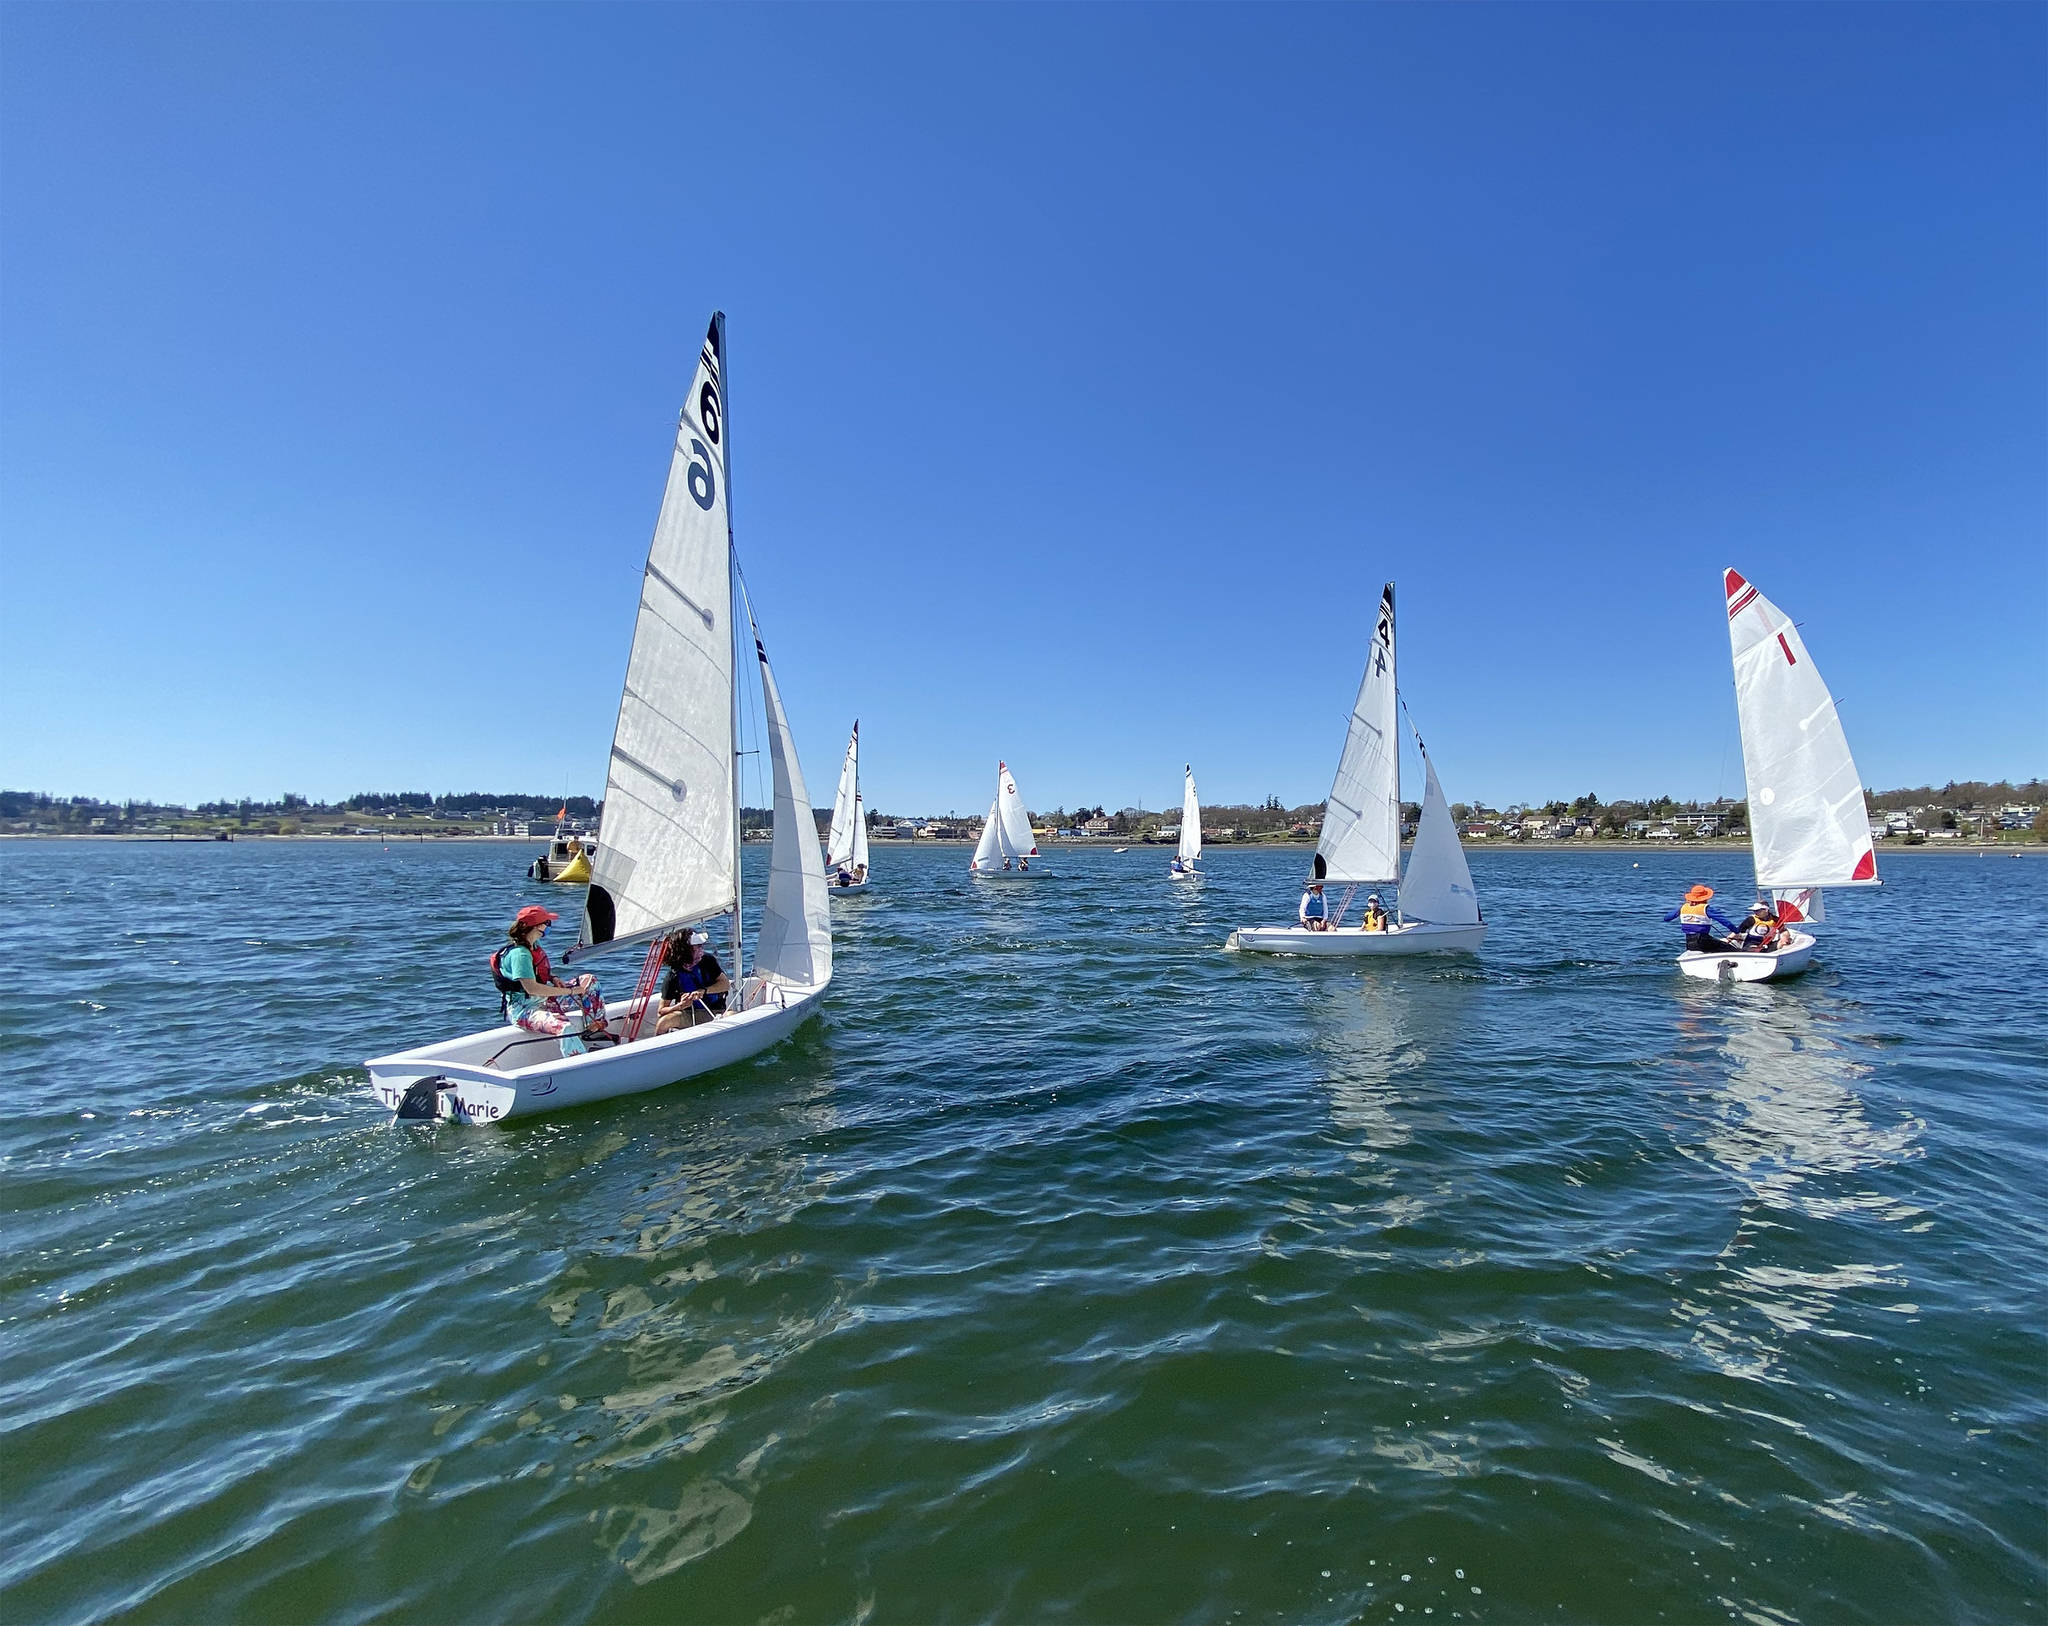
(847, 890)
(1415, 937)
(1736, 966)
(1189, 874)
(1008, 874)
(475, 1092)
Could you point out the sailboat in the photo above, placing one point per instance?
(567, 860)
(1007, 846)
(1360, 844)
(1183, 866)
(1808, 825)
(670, 858)
(846, 848)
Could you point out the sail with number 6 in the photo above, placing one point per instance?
(670, 853)
(670, 857)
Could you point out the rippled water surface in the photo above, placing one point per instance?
(1067, 1268)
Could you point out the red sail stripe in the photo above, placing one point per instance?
(1787, 648)
(1866, 866)
(1738, 605)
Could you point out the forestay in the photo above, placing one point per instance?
(1808, 823)
(1438, 886)
(1190, 819)
(988, 852)
(668, 856)
(839, 845)
(794, 943)
(1361, 840)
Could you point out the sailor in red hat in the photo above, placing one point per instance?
(570, 1011)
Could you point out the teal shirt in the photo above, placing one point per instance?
(516, 963)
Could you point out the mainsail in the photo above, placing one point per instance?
(1808, 825)
(846, 808)
(1017, 837)
(1190, 819)
(1361, 840)
(1438, 886)
(860, 834)
(669, 855)
(794, 943)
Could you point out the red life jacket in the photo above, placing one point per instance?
(508, 987)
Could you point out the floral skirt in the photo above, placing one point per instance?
(560, 1014)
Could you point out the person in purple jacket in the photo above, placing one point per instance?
(1697, 918)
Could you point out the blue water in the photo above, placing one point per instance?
(1067, 1268)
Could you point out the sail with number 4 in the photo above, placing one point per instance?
(1808, 824)
(847, 831)
(670, 854)
(1190, 819)
(1361, 839)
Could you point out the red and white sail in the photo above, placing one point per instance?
(1808, 825)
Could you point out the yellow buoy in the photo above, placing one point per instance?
(574, 873)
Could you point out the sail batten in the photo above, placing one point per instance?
(1361, 835)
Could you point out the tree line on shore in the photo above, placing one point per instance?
(457, 812)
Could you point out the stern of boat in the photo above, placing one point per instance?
(1726, 966)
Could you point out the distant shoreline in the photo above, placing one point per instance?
(1886, 850)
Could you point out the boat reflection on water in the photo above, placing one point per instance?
(1378, 1049)
(698, 1292)
(1787, 1125)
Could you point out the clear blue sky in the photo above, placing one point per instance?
(1090, 370)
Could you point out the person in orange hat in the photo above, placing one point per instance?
(1698, 918)
(570, 1011)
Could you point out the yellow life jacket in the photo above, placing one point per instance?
(1693, 917)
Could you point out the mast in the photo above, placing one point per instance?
(739, 874)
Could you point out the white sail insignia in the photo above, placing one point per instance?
(793, 946)
(1808, 824)
(1190, 819)
(1438, 886)
(839, 846)
(669, 854)
(1361, 839)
